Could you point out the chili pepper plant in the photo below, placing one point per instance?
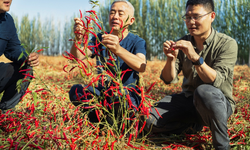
(121, 123)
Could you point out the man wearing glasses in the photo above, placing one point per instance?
(207, 60)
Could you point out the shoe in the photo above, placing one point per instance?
(194, 129)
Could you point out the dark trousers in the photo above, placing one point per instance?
(77, 92)
(76, 95)
(8, 79)
(208, 107)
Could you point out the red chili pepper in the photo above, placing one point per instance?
(110, 64)
(24, 70)
(149, 89)
(92, 33)
(130, 137)
(36, 123)
(85, 71)
(88, 107)
(110, 74)
(97, 115)
(125, 71)
(143, 126)
(40, 50)
(80, 50)
(98, 25)
(158, 112)
(28, 75)
(80, 14)
(54, 116)
(111, 58)
(112, 145)
(39, 90)
(64, 68)
(32, 134)
(122, 35)
(91, 125)
(67, 57)
(121, 24)
(111, 30)
(123, 126)
(92, 11)
(72, 69)
(130, 145)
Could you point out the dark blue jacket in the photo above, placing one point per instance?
(9, 43)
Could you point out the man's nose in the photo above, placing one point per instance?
(191, 21)
(116, 16)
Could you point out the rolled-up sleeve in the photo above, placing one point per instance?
(225, 62)
(177, 71)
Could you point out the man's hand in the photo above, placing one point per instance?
(187, 48)
(111, 42)
(169, 51)
(33, 59)
(78, 29)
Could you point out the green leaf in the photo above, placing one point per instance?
(18, 85)
(20, 56)
(22, 65)
(34, 94)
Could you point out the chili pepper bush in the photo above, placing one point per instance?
(46, 119)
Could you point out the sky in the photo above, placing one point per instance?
(57, 9)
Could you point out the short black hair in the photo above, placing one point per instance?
(207, 4)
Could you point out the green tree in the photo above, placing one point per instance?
(155, 21)
(25, 32)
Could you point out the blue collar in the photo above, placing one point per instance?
(2, 15)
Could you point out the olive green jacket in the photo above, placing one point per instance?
(220, 53)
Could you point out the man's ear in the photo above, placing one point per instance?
(213, 16)
(132, 20)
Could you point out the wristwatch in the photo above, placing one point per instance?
(199, 62)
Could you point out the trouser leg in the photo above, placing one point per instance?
(78, 95)
(178, 114)
(8, 80)
(215, 110)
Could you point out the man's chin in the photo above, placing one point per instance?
(115, 28)
(4, 11)
(193, 33)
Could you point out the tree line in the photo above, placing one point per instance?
(35, 34)
(156, 21)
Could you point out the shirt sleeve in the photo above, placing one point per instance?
(225, 62)
(14, 50)
(141, 47)
(13, 47)
(178, 64)
(177, 71)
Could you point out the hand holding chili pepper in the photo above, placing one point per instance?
(187, 48)
(33, 59)
(78, 28)
(111, 42)
(169, 50)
